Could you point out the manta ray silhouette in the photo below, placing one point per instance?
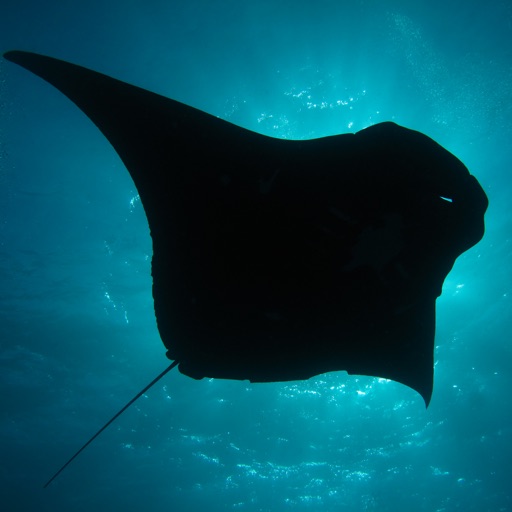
(277, 260)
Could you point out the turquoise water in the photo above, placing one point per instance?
(77, 330)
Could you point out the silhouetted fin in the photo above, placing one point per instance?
(279, 260)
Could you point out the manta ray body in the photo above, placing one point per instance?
(277, 260)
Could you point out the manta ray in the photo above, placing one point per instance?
(278, 260)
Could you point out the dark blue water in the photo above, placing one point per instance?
(77, 330)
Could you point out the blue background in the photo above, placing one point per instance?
(77, 328)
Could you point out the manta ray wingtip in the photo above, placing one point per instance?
(26, 59)
(12, 55)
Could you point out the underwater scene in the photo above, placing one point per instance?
(78, 332)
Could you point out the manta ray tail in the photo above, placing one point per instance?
(136, 397)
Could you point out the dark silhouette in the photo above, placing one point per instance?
(278, 260)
